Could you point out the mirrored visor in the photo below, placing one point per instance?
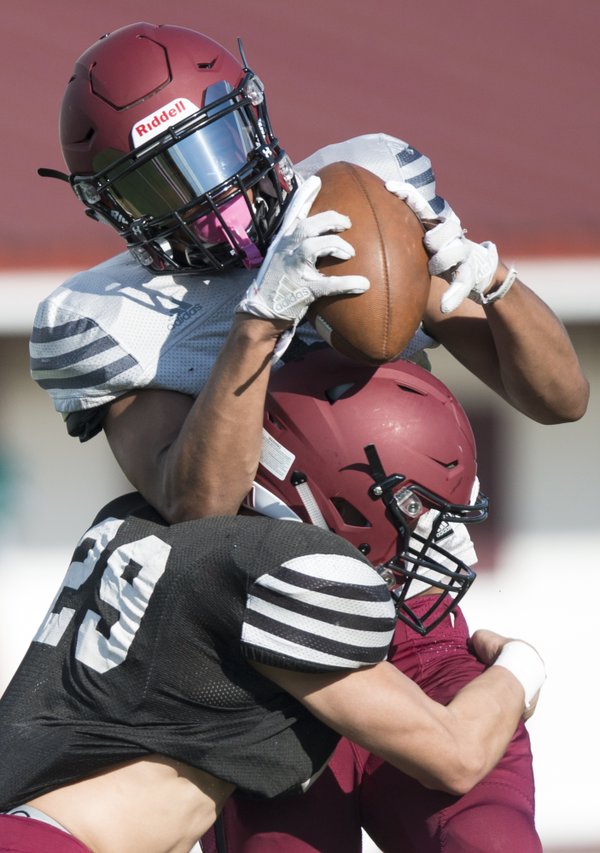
(180, 173)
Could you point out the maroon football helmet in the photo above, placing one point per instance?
(371, 453)
(168, 140)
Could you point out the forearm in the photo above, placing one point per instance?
(210, 466)
(449, 748)
(484, 710)
(538, 365)
(484, 717)
(453, 747)
(518, 347)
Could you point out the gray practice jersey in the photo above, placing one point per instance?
(118, 328)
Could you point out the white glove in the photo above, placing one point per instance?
(469, 266)
(288, 280)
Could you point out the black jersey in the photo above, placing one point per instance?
(146, 647)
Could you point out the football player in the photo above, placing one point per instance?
(168, 346)
(385, 457)
(181, 662)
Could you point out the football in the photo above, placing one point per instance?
(372, 327)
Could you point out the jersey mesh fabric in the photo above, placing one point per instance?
(118, 328)
(143, 652)
(390, 158)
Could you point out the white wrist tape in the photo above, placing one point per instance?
(525, 664)
(502, 290)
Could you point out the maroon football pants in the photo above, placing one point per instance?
(26, 835)
(360, 790)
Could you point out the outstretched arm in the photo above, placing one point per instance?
(445, 747)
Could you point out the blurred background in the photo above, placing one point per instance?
(504, 99)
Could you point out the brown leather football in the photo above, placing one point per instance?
(375, 326)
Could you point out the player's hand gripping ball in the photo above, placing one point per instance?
(374, 326)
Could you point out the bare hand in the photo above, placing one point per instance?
(487, 645)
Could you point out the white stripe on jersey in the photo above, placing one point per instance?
(319, 627)
(334, 567)
(339, 614)
(58, 369)
(80, 334)
(279, 645)
(322, 599)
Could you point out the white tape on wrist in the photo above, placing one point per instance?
(525, 664)
(487, 298)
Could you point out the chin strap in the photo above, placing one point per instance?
(300, 481)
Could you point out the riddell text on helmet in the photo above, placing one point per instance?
(160, 119)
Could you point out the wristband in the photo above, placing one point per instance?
(501, 291)
(525, 664)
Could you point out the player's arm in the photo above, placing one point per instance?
(444, 747)
(517, 346)
(193, 458)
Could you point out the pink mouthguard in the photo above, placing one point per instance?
(237, 217)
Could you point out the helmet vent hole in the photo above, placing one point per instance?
(448, 465)
(410, 390)
(338, 391)
(348, 513)
(205, 66)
